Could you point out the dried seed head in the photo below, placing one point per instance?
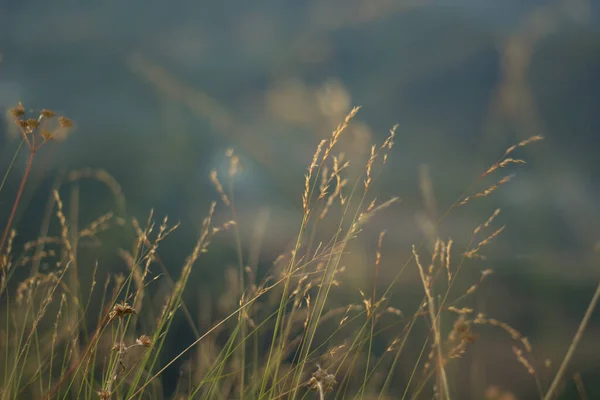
(121, 310)
(46, 134)
(18, 111)
(118, 347)
(32, 123)
(48, 113)
(321, 379)
(65, 122)
(144, 340)
(104, 394)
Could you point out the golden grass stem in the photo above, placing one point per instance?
(576, 339)
(435, 326)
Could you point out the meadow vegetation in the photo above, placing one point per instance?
(283, 336)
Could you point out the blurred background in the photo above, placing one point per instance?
(159, 90)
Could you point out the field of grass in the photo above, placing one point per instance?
(280, 333)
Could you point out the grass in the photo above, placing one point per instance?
(284, 336)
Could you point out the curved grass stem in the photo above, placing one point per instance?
(17, 200)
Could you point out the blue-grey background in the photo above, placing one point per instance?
(159, 90)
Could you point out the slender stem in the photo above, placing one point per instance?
(321, 392)
(10, 166)
(582, 326)
(121, 351)
(17, 200)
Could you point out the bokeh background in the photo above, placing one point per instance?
(159, 90)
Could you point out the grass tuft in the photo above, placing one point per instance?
(278, 334)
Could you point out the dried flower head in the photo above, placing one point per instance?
(46, 134)
(48, 113)
(104, 394)
(32, 123)
(38, 131)
(118, 347)
(18, 111)
(144, 340)
(321, 380)
(121, 310)
(65, 122)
